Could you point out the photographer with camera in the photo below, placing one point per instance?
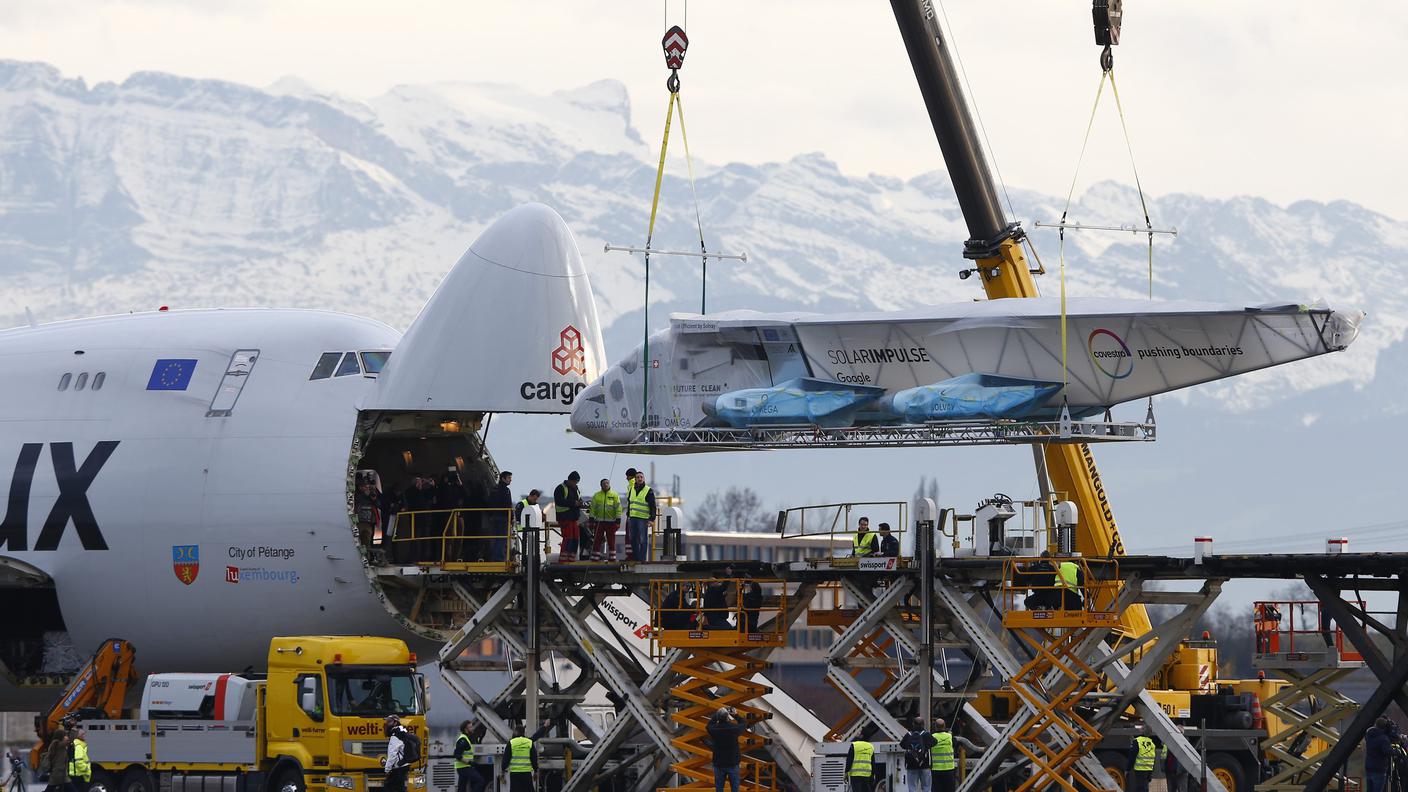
(725, 728)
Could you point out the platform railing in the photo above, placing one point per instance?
(1035, 594)
(479, 539)
(679, 615)
(1298, 626)
(838, 522)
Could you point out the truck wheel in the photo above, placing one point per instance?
(1114, 764)
(1229, 771)
(102, 781)
(136, 779)
(290, 779)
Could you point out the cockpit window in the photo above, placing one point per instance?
(326, 364)
(373, 362)
(349, 365)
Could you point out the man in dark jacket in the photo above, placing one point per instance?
(499, 523)
(716, 607)
(567, 505)
(1377, 755)
(725, 727)
(918, 746)
(752, 605)
(889, 545)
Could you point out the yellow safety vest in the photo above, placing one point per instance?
(1069, 576)
(1144, 759)
(468, 754)
(520, 755)
(866, 544)
(79, 766)
(941, 755)
(861, 763)
(638, 509)
(605, 506)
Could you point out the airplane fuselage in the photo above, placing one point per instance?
(183, 481)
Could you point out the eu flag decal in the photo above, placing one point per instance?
(171, 374)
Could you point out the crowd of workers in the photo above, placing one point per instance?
(930, 759)
(446, 519)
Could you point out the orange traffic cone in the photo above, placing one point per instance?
(1258, 718)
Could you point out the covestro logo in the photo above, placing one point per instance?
(1109, 353)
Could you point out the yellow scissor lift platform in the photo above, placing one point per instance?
(719, 623)
(1069, 609)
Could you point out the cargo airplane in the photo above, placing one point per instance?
(182, 479)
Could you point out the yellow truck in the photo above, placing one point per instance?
(313, 723)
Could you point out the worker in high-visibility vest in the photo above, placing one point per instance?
(605, 514)
(1069, 579)
(864, 544)
(943, 761)
(80, 770)
(1143, 753)
(467, 777)
(521, 761)
(640, 512)
(860, 766)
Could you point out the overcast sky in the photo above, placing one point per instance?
(1287, 101)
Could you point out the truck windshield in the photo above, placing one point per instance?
(369, 693)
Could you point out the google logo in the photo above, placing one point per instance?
(1105, 355)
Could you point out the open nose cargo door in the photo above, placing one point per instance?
(512, 328)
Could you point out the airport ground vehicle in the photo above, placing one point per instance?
(314, 722)
(97, 690)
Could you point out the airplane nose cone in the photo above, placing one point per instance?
(512, 327)
(589, 417)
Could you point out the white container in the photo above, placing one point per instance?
(1336, 545)
(1202, 548)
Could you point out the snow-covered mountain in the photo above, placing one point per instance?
(167, 190)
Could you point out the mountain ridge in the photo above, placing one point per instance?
(165, 189)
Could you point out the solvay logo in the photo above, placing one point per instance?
(1109, 353)
(569, 357)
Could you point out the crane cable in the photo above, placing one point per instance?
(1107, 72)
(674, 44)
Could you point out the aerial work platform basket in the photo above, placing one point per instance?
(1299, 634)
(717, 612)
(1062, 591)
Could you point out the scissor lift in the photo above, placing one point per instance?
(1301, 643)
(1060, 625)
(716, 634)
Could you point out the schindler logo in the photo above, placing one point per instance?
(570, 357)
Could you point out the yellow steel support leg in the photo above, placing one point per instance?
(1052, 684)
(716, 677)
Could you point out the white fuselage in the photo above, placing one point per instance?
(260, 493)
